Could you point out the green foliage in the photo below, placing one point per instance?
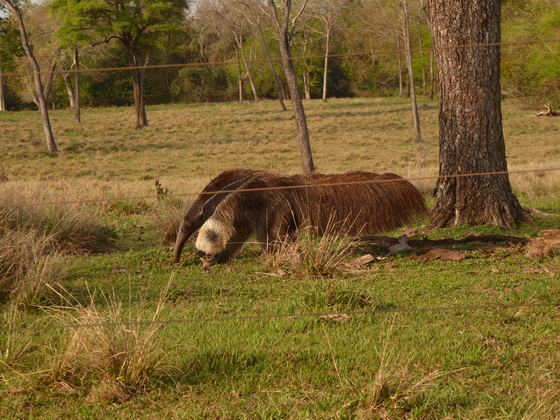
(130, 22)
(531, 70)
(201, 84)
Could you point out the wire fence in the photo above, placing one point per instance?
(279, 59)
(253, 317)
(284, 316)
(273, 188)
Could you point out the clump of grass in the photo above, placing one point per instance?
(166, 220)
(393, 384)
(15, 345)
(70, 229)
(28, 263)
(310, 255)
(112, 355)
(34, 242)
(126, 207)
(545, 405)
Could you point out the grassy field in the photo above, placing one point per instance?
(107, 262)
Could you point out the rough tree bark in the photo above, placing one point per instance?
(470, 119)
(42, 103)
(281, 27)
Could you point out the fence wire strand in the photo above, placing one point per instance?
(279, 59)
(282, 316)
(300, 186)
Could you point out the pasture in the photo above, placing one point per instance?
(257, 338)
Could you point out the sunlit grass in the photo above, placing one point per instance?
(496, 363)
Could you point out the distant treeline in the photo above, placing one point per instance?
(233, 35)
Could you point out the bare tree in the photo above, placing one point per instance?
(283, 24)
(470, 119)
(224, 16)
(328, 12)
(39, 92)
(2, 103)
(253, 16)
(408, 54)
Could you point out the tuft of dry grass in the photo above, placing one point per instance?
(70, 228)
(34, 242)
(109, 352)
(28, 263)
(392, 383)
(310, 255)
(166, 220)
(15, 345)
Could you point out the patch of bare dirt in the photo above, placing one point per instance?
(547, 244)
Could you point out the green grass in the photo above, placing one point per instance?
(463, 363)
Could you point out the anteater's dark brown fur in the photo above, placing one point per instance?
(349, 203)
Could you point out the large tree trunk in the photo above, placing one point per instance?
(295, 95)
(408, 54)
(42, 103)
(471, 136)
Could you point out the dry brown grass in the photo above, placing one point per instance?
(121, 355)
(392, 384)
(186, 145)
(34, 242)
(28, 264)
(69, 228)
(310, 255)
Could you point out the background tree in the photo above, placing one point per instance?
(410, 68)
(135, 24)
(41, 35)
(15, 10)
(10, 52)
(328, 12)
(284, 25)
(471, 137)
(227, 21)
(253, 16)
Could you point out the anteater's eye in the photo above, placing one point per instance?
(204, 255)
